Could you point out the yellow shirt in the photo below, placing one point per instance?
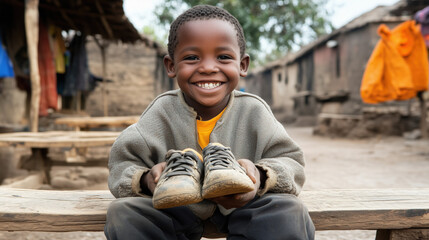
(205, 128)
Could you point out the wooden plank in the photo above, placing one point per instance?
(58, 139)
(53, 211)
(91, 122)
(367, 209)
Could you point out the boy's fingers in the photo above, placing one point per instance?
(157, 170)
(239, 196)
(156, 179)
(250, 168)
(252, 175)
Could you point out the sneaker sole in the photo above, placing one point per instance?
(176, 201)
(222, 184)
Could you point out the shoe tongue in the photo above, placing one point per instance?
(174, 156)
(190, 155)
(194, 155)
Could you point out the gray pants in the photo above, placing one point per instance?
(272, 216)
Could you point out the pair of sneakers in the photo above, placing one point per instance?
(182, 181)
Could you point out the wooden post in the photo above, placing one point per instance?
(78, 101)
(103, 61)
(32, 33)
(103, 44)
(423, 115)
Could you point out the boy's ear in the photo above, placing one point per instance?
(169, 66)
(244, 65)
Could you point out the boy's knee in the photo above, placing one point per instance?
(124, 206)
(293, 200)
(115, 209)
(117, 206)
(288, 201)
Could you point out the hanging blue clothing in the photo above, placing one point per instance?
(6, 67)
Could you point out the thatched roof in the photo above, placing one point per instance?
(92, 17)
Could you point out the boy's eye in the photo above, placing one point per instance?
(190, 58)
(224, 57)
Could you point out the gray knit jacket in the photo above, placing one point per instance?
(247, 126)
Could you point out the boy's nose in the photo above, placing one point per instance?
(208, 66)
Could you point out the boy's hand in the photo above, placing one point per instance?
(241, 199)
(151, 178)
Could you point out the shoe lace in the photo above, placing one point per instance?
(217, 157)
(180, 164)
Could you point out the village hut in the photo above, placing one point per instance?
(322, 80)
(40, 81)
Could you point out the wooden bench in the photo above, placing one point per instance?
(394, 213)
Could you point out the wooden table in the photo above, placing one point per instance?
(85, 123)
(40, 142)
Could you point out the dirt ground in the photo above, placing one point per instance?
(382, 162)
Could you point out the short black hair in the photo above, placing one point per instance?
(204, 12)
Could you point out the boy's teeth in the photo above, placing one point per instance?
(208, 85)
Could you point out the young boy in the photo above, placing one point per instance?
(164, 150)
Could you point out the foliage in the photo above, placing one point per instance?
(150, 32)
(282, 24)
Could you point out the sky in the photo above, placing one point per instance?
(140, 12)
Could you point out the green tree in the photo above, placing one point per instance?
(269, 25)
(150, 31)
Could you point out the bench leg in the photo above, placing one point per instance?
(38, 160)
(383, 234)
(76, 155)
(399, 234)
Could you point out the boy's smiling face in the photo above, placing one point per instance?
(207, 64)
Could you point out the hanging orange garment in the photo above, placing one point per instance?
(412, 47)
(48, 78)
(397, 68)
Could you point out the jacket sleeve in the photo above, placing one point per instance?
(283, 162)
(127, 164)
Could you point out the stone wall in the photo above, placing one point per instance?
(12, 103)
(130, 78)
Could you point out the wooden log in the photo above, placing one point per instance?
(93, 122)
(58, 139)
(32, 33)
(333, 209)
(53, 211)
(368, 209)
